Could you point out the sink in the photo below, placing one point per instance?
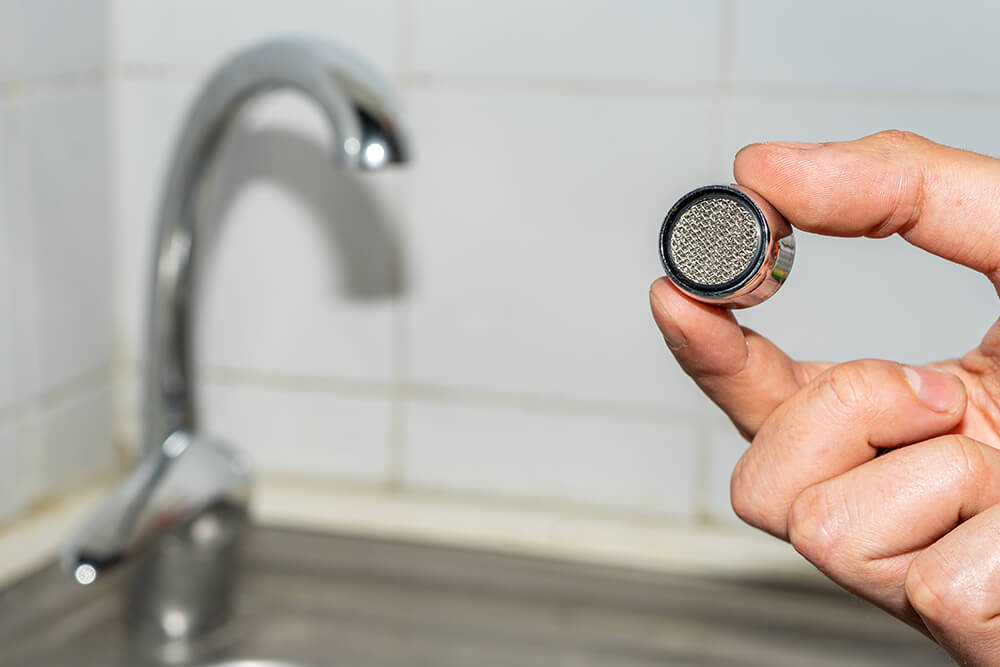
(254, 663)
(324, 600)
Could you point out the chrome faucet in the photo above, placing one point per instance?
(181, 511)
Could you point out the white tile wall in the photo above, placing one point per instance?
(301, 432)
(9, 195)
(761, 117)
(31, 483)
(662, 41)
(55, 250)
(534, 227)
(302, 273)
(68, 196)
(11, 471)
(517, 453)
(199, 34)
(550, 139)
(61, 37)
(725, 447)
(931, 46)
(75, 431)
(851, 298)
(21, 286)
(10, 45)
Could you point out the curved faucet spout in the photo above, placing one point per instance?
(187, 498)
(368, 135)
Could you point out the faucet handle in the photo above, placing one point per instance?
(187, 474)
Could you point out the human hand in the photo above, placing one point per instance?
(917, 530)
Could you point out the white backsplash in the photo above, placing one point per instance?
(56, 279)
(518, 360)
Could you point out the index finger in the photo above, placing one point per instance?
(941, 199)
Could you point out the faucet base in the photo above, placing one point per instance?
(182, 589)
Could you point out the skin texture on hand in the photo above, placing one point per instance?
(915, 531)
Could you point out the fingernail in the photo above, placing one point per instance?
(800, 145)
(672, 333)
(938, 390)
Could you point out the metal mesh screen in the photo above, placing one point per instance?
(714, 241)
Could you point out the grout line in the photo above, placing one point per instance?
(85, 381)
(25, 413)
(416, 391)
(52, 397)
(733, 90)
(52, 82)
(115, 222)
(526, 83)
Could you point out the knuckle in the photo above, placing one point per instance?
(934, 593)
(899, 138)
(741, 493)
(750, 497)
(908, 202)
(814, 529)
(963, 455)
(848, 389)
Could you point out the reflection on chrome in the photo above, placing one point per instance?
(85, 573)
(175, 623)
(375, 155)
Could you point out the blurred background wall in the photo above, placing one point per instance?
(477, 323)
(57, 304)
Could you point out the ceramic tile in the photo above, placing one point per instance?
(152, 32)
(62, 37)
(68, 192)
(76, 438)
(528, 455)
(17, 257)
(127, 411)
(725, 447)
(11, 491)
(865, 45)
(819, 118)
(301, 432)
(10, 40)
(535, 240)
(10, 211)
(651, 41)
